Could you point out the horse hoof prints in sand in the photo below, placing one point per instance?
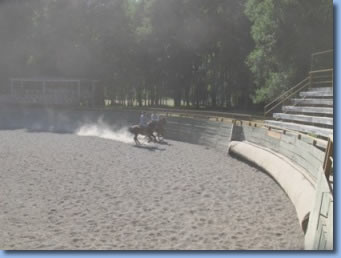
(153, 126)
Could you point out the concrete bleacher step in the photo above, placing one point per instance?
(322, 89)
(325, 132)
(327, 83)
(309, 110)
(315, 102)
(316, 94)
(305, 119)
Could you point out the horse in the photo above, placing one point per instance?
(158, 127)
(139, 130)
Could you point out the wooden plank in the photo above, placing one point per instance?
(306, 149)
(317, 154)
(305, 159)
(305, 119)
(330, 230)
(320, 144)
(203, 129)
(310, 110)
(224, 135)
(275, 135)
(253, 133)
(201, 113)
(325, 204)
(314, 154)
(261, 139)
(207, 142)
(327, 163)
(275, 147)
(323, 241)
(301, 128)
(179, 125)
(291, 139)
(178, 132)
(316, 102)
(302, 149)
(300, 162)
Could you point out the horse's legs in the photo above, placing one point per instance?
(154, 138)
(159, 135)
(150, 135)
(150, 138)
(136, 140)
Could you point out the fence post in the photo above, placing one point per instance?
(327, 165)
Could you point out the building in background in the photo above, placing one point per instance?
(55, 92)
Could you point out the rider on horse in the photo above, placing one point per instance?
(148, 128)
(143, 120)
(155, 117)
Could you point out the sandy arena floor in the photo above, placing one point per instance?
(63, 191)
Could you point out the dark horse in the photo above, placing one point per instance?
(140, 130)
(158, 127)
(153, 126)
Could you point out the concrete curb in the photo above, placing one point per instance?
(290, 177)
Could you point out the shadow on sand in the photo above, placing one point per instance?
(163, 142)
(149, 148)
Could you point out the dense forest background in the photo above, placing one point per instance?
(219, 54)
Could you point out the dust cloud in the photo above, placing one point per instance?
(103, 130)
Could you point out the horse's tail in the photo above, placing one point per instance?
(131, 129)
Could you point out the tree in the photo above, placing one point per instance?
(286, 33)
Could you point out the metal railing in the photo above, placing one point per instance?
(202, 113)
(323, 76)
(322, 60)
(316, 78)
(286, 95)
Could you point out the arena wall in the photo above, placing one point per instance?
(204, 132)
(294, 161)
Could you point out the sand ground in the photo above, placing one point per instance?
(63, 191)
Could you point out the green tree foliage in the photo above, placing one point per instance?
(286, 33)
(200, 53)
